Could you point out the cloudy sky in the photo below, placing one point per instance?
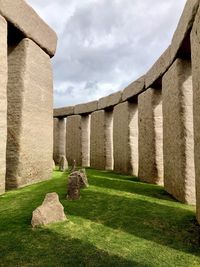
(103, 45)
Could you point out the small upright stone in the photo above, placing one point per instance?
(76, 180)
(63, 164)
(53, 165)
(51, 211)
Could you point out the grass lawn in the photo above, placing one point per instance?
(117, 222)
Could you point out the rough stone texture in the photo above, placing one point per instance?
(85, 140)
(59, 139)
(73, 140)
(51, 211)
(184, 25)
(76, 180)
(195, 49)
(178, 143)
(109, 140)
(159, 68)
(3, 101)
(150, 136)
(133, 89)
(30, 123)
(63, 112)
(101, 146)
(86, 107)
(24, 18)
(125, 137)
(110, 100)
(63, 164)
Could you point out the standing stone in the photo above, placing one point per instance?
(125, 137)
(195, 49)
(59, 139)
(63, 164)
(85, 140)
(3, 101)
(30, 113)
(150, 136)
(51, 211)
(178, 143)
(101, 152)
(73, 140)
(76, 181)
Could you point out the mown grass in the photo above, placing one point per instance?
(117, 222)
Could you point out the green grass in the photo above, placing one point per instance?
(117, 222)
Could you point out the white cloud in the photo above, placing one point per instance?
(104, 45)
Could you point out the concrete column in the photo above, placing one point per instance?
(195, 50)
(125, 137)
(101, 152)
(150, 136)
(85, 140)
(73, 140)
(3, 101)
(59, 139)
(30, 115)
(178, 143)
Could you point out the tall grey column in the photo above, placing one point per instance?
(195, 50)
(73, 139)
(101, 152)
(125, 138)
(3, 101)
(178, 143)
(85, 140)
(59, 139)
(150, 136)
(30, 115)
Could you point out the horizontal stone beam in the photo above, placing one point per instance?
(184, 26)
(24, 18)
(133, 89)
(63, 112)
(86, 108)
(110, 100)
(170, 54)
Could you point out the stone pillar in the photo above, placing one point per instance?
(30, 115)
(101, 152)
(150, 136)
(59, 139)
(178, 143)
(73, 140)
(125, 137)
(195, 50)
(85, 140)
(3, 101)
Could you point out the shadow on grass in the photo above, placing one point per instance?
(127, 184)
(43, 247)
(170, 226)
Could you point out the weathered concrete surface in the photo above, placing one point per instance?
(86, 108)
(125, 137)
(73, 140)
(59, 139)
(30, 123)
(110, 100)
(3, 101)
(150, 136)
(195, 49)
(24, 18)
(51, 211)
(133, 89)
(85, 140)
(101, 147)
(159, 68)
(184, 26)
(63, 112)
(178, 143)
